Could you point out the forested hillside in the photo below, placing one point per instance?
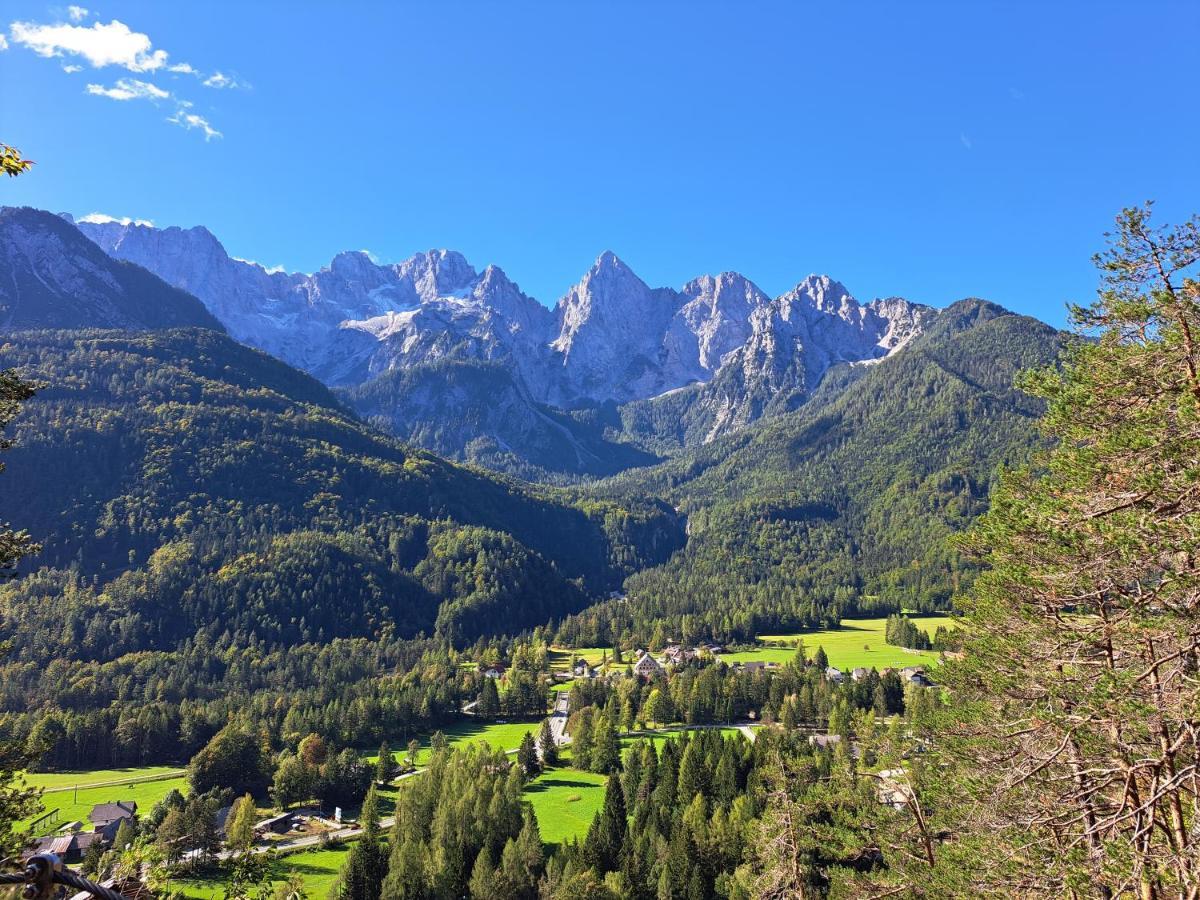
(196, 499)
(844, 505)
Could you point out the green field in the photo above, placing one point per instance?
(75, 805)
(858, 642)
(59, 781)
(560, 657)
(499, 735)
(565, 801)
(319, 868)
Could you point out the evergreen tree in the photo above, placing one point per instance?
(366, 867)
(527, 756)
(386, 768)
(606, 747)
(125, 836)
(488, 706)
(1074, 708)
(547, 746)
(605, 838)
(483, 876)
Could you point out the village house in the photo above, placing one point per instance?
(106, 818)
(860, 673)
(647, 666)
(70, 848)
(915, 675)
(584, 670)
(834, 675)
(494, 671)
(676, 655)
(280, 824)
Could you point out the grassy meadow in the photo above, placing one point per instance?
(498, 735)
(318, 867)
(74, 805)
(858, 642)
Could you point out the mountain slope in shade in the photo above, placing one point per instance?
(482, 412)
(51, 276)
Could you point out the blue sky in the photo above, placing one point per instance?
(930, 150)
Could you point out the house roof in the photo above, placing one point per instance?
(110, 812)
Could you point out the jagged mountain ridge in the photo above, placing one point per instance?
(611, 337)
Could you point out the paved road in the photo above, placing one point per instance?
(558, 718)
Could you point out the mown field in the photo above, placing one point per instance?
(58, 781)
(858, 642)
(318, 867)
(498, 735)
(74, 805)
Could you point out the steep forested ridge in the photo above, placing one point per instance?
(844, 505)
(192, 484)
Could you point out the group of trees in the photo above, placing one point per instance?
(901, 631)
(462, 829)
(798, 692)
(315, 772)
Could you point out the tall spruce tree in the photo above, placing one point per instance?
(362, 876)
(527, 757)
(1075, 741)
(602, 848)
(547, 746)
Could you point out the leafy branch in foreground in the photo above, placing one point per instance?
(11, 161)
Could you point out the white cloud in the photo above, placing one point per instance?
(964, 140)
(188, 121)
(114, 44)
(221, 80)
(3, 42)
(129, 89)
(102, 219)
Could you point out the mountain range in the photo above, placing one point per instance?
(463, 363)
(212, 517)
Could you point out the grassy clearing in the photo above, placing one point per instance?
(75, 805)
(318, 867)
(498, 735)
(858, 642)
(659, 735)
(63, 781)
(565, 800)
(560, 657)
